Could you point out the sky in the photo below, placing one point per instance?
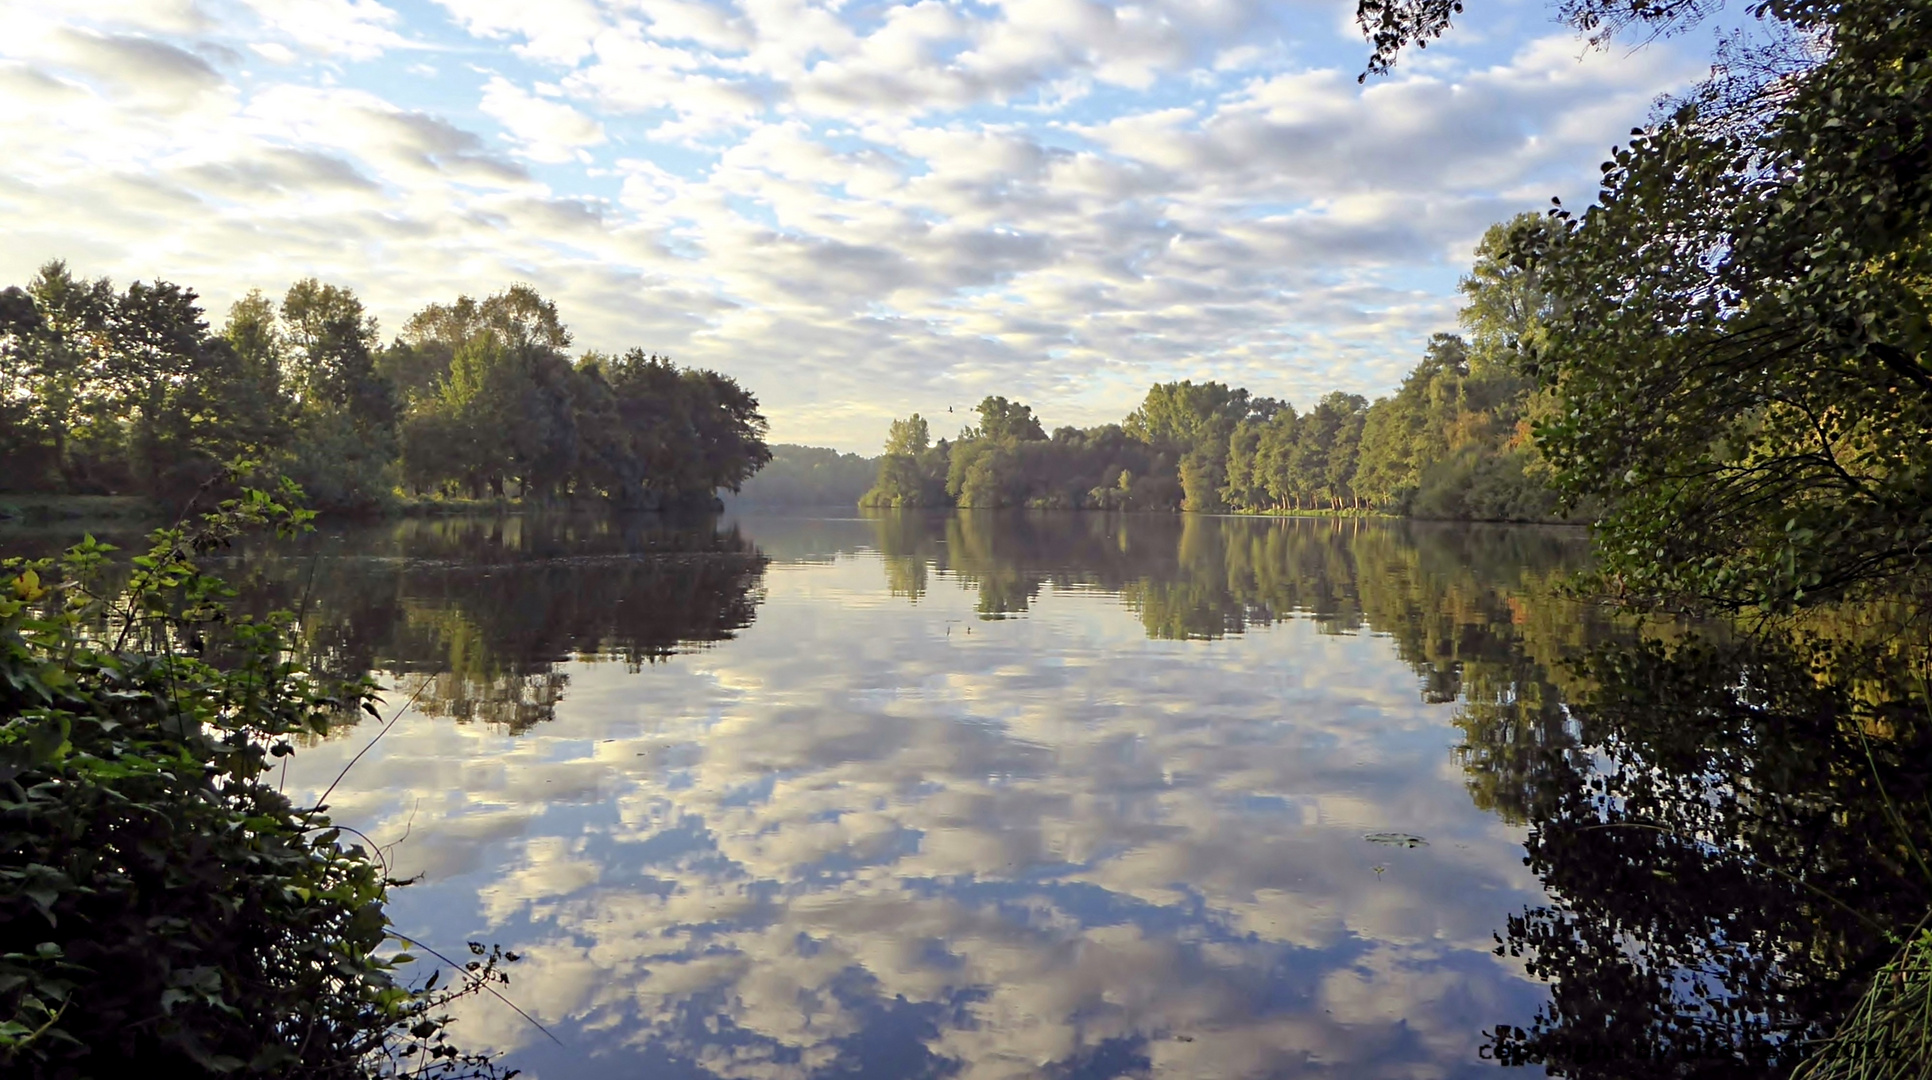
(859, 210)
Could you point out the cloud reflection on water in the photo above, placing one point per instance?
(879, 837)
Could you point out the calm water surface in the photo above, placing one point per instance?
(973, 795)
(1093, 796)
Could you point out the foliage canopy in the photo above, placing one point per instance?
(1740, 340)
(106, 391)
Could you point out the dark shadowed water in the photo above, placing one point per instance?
(990, 796)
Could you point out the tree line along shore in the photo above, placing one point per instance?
(119, 403)
(113, 396)
(1454, 441)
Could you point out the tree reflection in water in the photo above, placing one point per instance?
(472, 615)
(1725, 874)
(1470, 607)
(1708, 812)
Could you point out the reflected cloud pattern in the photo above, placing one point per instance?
(977, 796)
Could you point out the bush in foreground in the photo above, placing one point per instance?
(164, 909)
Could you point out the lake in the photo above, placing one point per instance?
(992, 795)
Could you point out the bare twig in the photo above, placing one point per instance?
(424, 685)
(474, 981)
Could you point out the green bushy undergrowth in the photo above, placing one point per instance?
(1482, 486)
(164, 909)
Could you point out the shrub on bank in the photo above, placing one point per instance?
(164, 909)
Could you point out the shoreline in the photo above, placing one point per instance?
(38, 510)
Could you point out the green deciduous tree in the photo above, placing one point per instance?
(112, 391)
(1008, 421)
(912, 473)
(344, 442)
(498, 406)
(1193, 422)
(1454, 441)
(1742, 342)
(909, 437)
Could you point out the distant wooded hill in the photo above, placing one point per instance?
(809, 476)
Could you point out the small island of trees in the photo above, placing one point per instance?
(130, 392)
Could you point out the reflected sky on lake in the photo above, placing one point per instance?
(882, 830)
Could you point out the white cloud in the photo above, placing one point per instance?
(557, 31)
(356, 29)
(544, 130)
(152, 16)
(708, 25)
(141, 70)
